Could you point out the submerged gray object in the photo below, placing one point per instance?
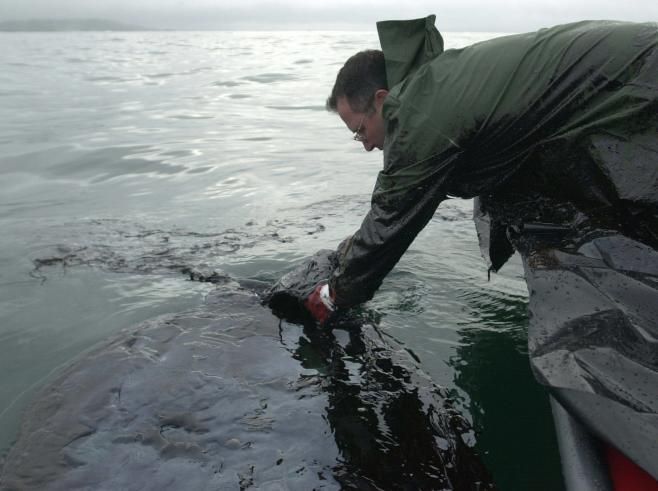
(228, 396)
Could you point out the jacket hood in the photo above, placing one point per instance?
(408, 44)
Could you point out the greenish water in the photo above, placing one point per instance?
(130, 156)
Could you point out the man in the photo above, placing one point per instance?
(567, 113)
(555, 133)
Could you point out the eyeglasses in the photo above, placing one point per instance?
(359, 134)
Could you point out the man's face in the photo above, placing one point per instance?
(369, 126)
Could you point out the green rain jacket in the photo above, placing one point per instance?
(577, 103)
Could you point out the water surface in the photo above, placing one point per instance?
(126, 158)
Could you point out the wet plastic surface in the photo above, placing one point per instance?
(583, 460)
(229, 397)
(593, 335)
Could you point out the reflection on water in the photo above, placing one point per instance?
(164, 150)
(391, 425)
(505, 402)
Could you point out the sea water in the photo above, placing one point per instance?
(127, 159)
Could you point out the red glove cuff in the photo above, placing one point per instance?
(320, 303)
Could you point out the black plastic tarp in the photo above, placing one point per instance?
(593, 334)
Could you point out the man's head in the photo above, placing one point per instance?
(358, 96)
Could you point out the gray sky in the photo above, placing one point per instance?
(452, 15)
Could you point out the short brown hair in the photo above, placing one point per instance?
(360, 77)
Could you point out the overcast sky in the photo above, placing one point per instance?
(452, 15)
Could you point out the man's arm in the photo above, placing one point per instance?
(404, 201)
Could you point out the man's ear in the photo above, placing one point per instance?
(380, 95)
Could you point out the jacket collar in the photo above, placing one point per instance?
(408, 44)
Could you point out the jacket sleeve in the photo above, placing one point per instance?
(405, 198)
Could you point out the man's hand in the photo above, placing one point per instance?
(320, 303)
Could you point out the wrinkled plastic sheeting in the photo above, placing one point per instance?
(593, 335)
(229, 397)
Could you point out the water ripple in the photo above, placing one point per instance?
(298, 108)
(268, 78)
(228, 83)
